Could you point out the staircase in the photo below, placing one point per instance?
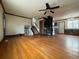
(34, 28)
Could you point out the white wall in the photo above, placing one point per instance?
(15, 25)
(1, 23)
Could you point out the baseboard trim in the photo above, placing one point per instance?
(14, 35)
(60, 33)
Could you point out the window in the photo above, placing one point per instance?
(72, 24)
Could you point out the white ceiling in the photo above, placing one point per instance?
(29, 8)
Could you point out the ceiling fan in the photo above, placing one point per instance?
(49, 8)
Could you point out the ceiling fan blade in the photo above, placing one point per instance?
(45, 13)
(51, 11)
(47, 6)
(43, 10)
(55, 7)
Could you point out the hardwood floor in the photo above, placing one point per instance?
(40, 47)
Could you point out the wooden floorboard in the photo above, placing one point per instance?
(40, 47)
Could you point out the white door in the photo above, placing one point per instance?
(61, 27)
